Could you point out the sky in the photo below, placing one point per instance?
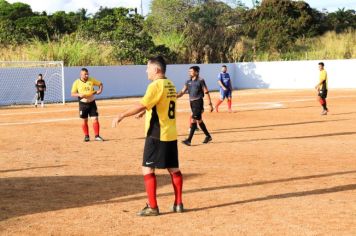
(93, 5)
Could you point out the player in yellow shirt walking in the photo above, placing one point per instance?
(322, 88)
(83, 89)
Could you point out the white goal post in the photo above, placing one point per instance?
(17, 81)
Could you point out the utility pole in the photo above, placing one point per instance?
(141, 8)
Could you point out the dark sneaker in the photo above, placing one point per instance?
(98, 138)
(178, 208)
(207, 139)
(186, 142)
(148, 211)
(86, 139)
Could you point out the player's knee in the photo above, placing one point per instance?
(173, 170)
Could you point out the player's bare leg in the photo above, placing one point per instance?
(217, 104)
(229, 104)
(151, 208)
(177, 182)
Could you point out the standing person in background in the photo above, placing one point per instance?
(161, 149)
(225, 84)
(196, 88)
(322, 88)
(83, 89)
(41, 88)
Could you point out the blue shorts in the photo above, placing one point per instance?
(225, 94)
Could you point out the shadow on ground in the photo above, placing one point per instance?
(28, 195)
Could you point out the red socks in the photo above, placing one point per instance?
(177, 182)
(96, 127)
(151, 185)
(85, 129)
(229, 102)
(322, 101)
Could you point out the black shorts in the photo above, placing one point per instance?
(88, 109)
(323, 93)
(40, 95)
(197, 107)
(160, 154)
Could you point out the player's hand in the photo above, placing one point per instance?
(224, 88)
(140, 115)
(211, 107)
(117, 120)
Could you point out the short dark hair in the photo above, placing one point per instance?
(224, 66)
(84, 69)
(160, 62)
(195, 68)
(40, 75)
(321, 63)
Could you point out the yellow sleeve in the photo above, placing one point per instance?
(152, 96)
(96, 82)
(74, 87)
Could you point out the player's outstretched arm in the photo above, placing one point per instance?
(182, 92)
(130, 112)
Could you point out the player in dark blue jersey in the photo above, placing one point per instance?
(40, 85)
(196, 88)
(225, 84)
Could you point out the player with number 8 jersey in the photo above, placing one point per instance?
(161, 150)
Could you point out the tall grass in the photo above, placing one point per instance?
(174, 41)
(70, 49)
(76, 52)
(333, 46)
(328, 46)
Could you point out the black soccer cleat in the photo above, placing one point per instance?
(86, 139)
(178, 208)
(186, 142)
(98, 138)
(148, 211)
(207, 139)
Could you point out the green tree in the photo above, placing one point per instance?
(276, 24)
(341, 20)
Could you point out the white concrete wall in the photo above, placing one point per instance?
(124, 81)
(294, 74)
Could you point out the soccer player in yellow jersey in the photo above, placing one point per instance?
(83, 89)
(160, 151)
(322, 88)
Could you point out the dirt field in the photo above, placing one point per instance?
(275, 167)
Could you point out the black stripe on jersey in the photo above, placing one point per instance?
(155, 130)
